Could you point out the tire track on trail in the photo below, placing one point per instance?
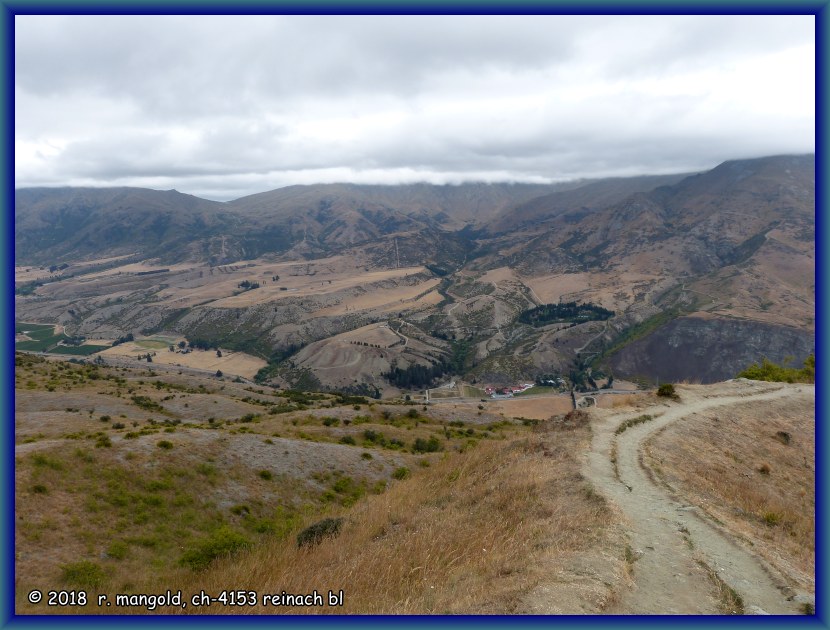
(675, 550)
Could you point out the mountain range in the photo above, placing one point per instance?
(704, 272)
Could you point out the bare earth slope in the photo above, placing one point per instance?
(676, 549)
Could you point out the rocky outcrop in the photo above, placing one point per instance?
(709, 349)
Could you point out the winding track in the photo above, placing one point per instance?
(670, 539)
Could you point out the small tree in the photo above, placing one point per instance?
(219, 353)
(218, 373)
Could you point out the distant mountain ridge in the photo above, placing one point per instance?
(702, 272)
(53, 224)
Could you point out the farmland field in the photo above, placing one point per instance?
(154, 344)
(42, 338)
(36, 337)
(21, 327)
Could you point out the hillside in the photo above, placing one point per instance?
(138, 481)
(719, 266)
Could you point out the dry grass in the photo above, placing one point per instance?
(536, 407)
(619, 401)
(735, 464)
(470, 534)
(390, 299)
(729, 601)
(499, 513)
(232, 363)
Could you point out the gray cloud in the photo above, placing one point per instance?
(228, 105)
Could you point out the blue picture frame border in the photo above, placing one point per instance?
(10, 8)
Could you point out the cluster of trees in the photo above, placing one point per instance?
(437, 270)
(419, 376)
(124, 339)
(564, 312)
(201, 344)
(415, 376)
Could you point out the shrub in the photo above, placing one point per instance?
(266, 474)
(223, 542)
(118, 550)
(330, 421)
(84, 574)
(347, 439)
(401, 473)
(426, 446)
(103, 442)
(374, 436)
(667, 391)
(39, 488)
(314, 534)
(164, 444)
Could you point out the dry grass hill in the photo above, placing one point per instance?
(139, 481)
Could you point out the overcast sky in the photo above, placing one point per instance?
(225, 106)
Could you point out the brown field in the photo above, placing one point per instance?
(387, 300)
(312, 285)
(34, 272)
(379, 334)
(752, 468)
(232, 363)
(189, 285)
(501, 274)
(533, 407)
(617, 292)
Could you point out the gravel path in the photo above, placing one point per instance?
(672, 544)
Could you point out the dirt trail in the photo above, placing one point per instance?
(672, 544)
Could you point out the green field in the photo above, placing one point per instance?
(468, 391)
(540, 389)
(44, 339)
(153, 344)
(31, 328)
